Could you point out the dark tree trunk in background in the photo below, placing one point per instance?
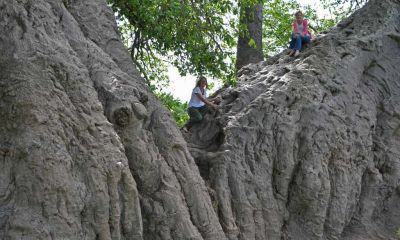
(251, 17)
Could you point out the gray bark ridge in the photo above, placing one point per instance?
(308, 148)
(87, 151)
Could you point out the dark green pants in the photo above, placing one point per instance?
(196, 115)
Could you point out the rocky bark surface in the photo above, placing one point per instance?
(87, 151)
(308, 148)
(301, 149)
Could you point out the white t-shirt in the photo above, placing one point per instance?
(300, 27)
(194, 100)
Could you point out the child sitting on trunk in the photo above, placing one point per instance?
(300, 34)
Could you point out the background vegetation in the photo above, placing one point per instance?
(199, 37)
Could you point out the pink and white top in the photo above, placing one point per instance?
(305, 28)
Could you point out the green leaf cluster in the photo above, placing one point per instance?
(194, 36)
(177, 108)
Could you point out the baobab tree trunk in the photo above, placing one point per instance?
(303, 149)
(249, 48)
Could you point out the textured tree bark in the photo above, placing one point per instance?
(301, 149)
(308, 148)
(87, 152)
(251, 18)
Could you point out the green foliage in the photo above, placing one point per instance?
(194, 36)
(252, 43)
(398, 233)
(177, 108)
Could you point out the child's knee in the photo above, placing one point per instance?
(198, 118)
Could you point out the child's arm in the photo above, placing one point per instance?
(206, 101)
